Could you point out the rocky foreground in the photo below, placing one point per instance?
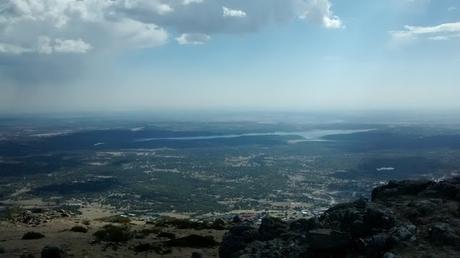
(403, 219)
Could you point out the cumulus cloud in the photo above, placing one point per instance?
(445, 31)
(227, 12)
(12, 49)
(136, 34)
(187, 2)
(193, 39)
(91, 24)
(321, 11)
(71, 46)
(45, 29)
(71, 26)
(47, 46)
(156, 6)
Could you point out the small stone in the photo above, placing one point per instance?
(389, 255)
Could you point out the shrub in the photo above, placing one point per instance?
(219, 224)
(32, 235)
(167, 235)
(112, 233)
(148, 231)
(79, 229)
(52, 252)
(12, 212)
(182, 224)
(193, 241)
(156, 247)
(116, 219)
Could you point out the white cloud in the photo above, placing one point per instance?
(71, 46)
(442, 28)
(44, 45)
(187, 2)
(55, 24)
(227, 12)
(53, 33)
(439, 38)
(321, 11)
(105, 24)
(156, 6)
(12, 49)
(445, 31)
(133, 33)
(193, 39)
(452, 8)
(332, 22)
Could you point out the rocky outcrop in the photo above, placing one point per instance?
(237, 239)
(406, 218)
(37, 216)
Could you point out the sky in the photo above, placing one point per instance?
(300, 55)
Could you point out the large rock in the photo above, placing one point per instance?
(449, 189)
(273, 249)
(304, 225)
(237, 239)
(345, 216)
(359, 218)
(379, 218)
(443, 233)
(328, 239)
(272, 228)
(376, 245)
(403, 233)
(394, 188)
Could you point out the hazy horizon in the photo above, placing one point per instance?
(67, 56)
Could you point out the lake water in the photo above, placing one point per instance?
(311, 135)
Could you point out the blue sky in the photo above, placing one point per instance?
(259, 55)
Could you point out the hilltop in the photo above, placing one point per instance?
(403, 219)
